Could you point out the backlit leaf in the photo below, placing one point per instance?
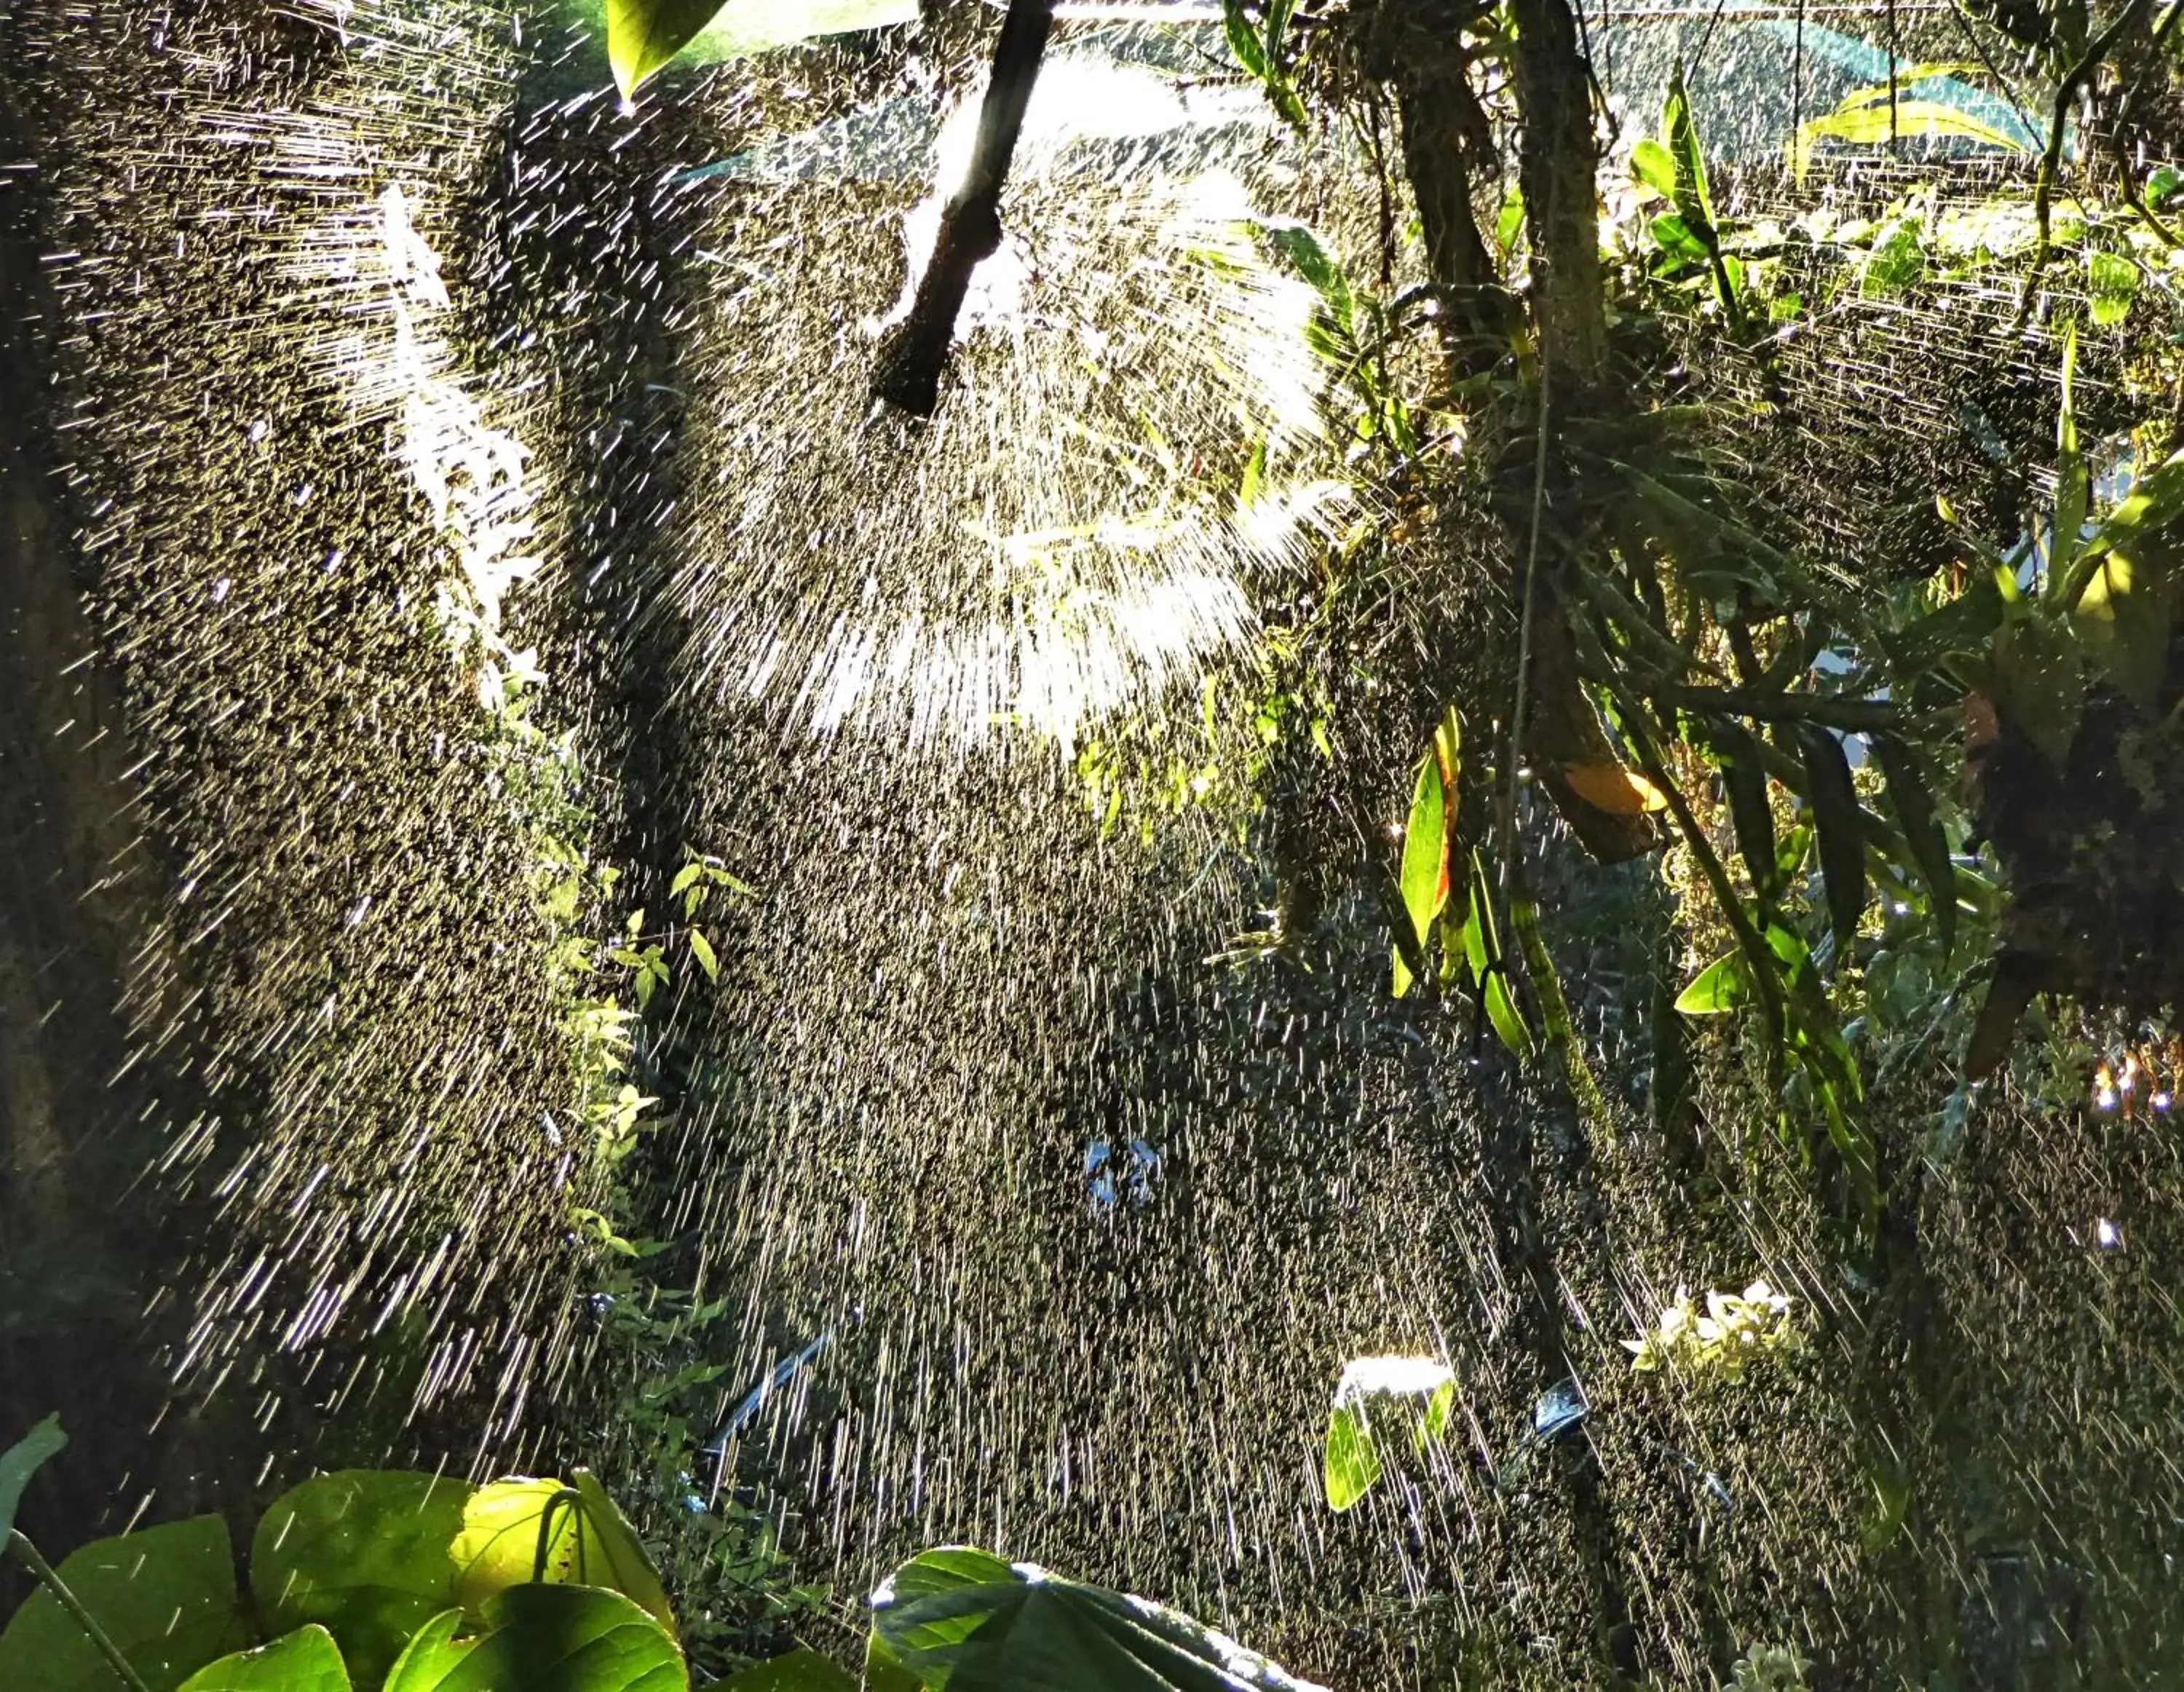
(1509, 1024)
(305, 1661)
(363, 1553)
(644, 35)
(1869, 123)
(1612, 788)
(551, 1639)
(1349, 1464)
(1722, 986)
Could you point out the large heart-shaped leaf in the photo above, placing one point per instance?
(564, 1532)
(547, 1639)
(165, 1597)
(305, 1661)
(644, 35)
(986, 1626)
(365, 1554)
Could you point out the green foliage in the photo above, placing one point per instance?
(1262, 48)
(1377, 1395)
(1719, 1345)
(362, 1552)
(164, 1596)
(965, 1619)
(644, 35)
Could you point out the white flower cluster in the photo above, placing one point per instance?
(1718, 1345)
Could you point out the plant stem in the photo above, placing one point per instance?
(68, 1601)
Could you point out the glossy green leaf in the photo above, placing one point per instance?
(1509, 1024)
(1723, 985)
(1913, 804)
(1425, 848)
(548, 1638)
(2112, 283)
(702, 950)
(19, 1461)
(1349, 1461)
(165, 1596)
(1838, 830)
(431, 1655)
(305, 1661)
(1652, 164)
(561, 1532)
(800, 1671)
(1439, 1412)
(363, 1553)
(1024, 1628)
(1244, 40)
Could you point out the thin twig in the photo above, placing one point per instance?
(2051, 158)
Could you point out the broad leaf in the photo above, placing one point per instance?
(2111, 282)
(1693, 202)
(305, 1661)
(800, 1671)
(431, 1657)
(362, 1552)
(1023, 1628)
(1301, 247)
(1721, 986)
(19, 1461)
(1425, 848)
(522, 1530)
(550, 1639)
(1612, 788)
(1652, 164)
(644, 35)
(165, 1596)
(1244, 40)
(2124, 617)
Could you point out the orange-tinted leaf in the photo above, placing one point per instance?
(1614, 789)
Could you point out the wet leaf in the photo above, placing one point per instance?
(363, 1554)
(22, 1460)
(1865, 122)
(702, 950)
(2112, 281)
(1722, 986)
(305, 1661)
(165, 1596)
(1837, 829)
(1424, 875)
(1509, 1024)
(1350, 1464)
(1652, 164)
(550, 1638)
(643, 36)
(431, 1657)
(1744, 777)
(800, 1671)
(1244, 40)
(2124, 617)
(2073, 488)
(560, 1532)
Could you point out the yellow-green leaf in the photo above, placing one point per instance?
(702, 950)
(1867, 125)
(644, 35)
(1722, 985)
(1349, 1463)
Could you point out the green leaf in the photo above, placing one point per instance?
(686, 878)
(2124, 617)
(165, 1596)
(1425, 848)
(800, 1671)
(363, 1553)
(1301, 247)
(305, 1661)
(2162, 184)
(1867, 123)
(431, 1657)
(1922, 831)
(1723, 985)
(1349, 1462)
(22, 1460)
(1440, 1411)
(1838, 829)
(1693, 202)
(2112, 282)
(1244, 40)
(1897, 260)
(1509, 1021)
(1022, 1629)
(548, 1638)
(1653, 165)
(570, 1533)
(702, 950)
(644, 35)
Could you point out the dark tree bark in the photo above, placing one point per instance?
(907, 375)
